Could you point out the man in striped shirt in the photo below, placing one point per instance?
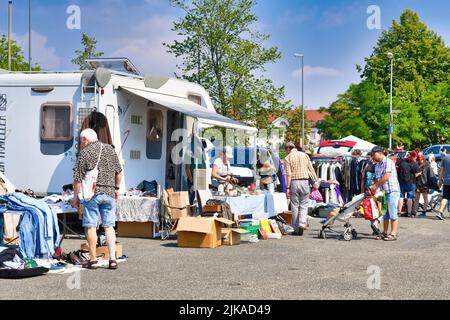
(299, 170)
(387, 180)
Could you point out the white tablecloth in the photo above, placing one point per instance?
(138, 209)
(276, 203)
(264, 206)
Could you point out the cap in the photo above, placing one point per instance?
(377, 150)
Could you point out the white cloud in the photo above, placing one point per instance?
(290, 18)
(144, 46)
(338, 16)
(43, 55)
(316, 71)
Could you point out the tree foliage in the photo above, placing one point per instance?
(421, 90)
(89, 51)
(294, 131)
(221, 50)
(18, 62)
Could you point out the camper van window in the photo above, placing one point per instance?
(195, 99)
(155, 126)
(56, 120)
(155, 130)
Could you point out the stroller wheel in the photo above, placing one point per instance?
(354, 234)
(348, 236)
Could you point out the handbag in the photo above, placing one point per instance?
(89, 183)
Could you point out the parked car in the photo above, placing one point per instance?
(436, 151)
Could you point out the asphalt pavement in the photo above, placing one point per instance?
(417, 266)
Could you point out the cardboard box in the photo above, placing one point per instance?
(139, 230)
(232, 237)
(287, 216)
(200, 232)
(103, 253)
(179, 203)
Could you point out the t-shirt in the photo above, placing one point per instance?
(223, 169)
(446, 166)
(407, 171)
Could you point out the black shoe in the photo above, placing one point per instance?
(301, 231)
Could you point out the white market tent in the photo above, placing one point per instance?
(360, 143)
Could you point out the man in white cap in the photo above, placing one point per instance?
(221, 172)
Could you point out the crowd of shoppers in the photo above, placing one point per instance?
(406, 181)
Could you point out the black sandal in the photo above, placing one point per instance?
(92, 265)
(113, 265)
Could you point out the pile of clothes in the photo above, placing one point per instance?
(12, 266)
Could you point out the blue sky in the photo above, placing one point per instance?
(333, 35)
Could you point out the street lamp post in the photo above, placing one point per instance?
(391, 113)
(302, 56)
(9, 35)
(29, 35)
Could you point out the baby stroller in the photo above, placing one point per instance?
(435, 201)
(344, 216)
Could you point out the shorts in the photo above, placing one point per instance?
(407, 191)
(446, 193)
(392, 201)
(101, 205)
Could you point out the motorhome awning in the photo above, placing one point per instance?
(184, 106)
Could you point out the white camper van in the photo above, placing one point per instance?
(41, 115)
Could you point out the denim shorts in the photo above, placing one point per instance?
(101, 205)
(407, 191)
(392, 201)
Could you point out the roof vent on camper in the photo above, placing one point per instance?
(122, 65)
(155, 82)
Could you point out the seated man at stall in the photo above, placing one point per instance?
(221, 172)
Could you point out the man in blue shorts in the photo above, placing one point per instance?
(387, 180)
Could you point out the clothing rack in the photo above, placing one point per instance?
(346, 171)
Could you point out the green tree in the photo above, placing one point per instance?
(419, 54)
(89, 51)
(18, 62)
(294, 131)
(221, 50)
(421, 90)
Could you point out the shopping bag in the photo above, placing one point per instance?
(316, 195)
(371, 211)
(89, 183)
